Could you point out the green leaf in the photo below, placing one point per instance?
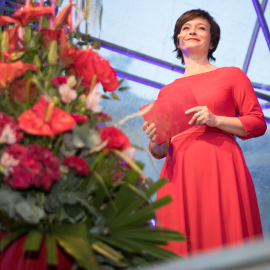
(4, 242)
(132, 206)
(107, 251)
(113, 95)
(77, 33)
(158, 252)
(123, 89)
(33, 241)
(83, 135)
(101, 181)
(151, 235)
(80, 89)
(28, 34)
(136, 190)
(35, 42)
(73, 210)
(121, 81)
(105, 97)
(129, 161)
(51, 249)
(45, 23)
(80, 43)
(143, 215)
(120, 243)
(75, 240)
(99, 159)
(146, 151)
(58, 3)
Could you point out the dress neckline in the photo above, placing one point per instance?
(201, 73)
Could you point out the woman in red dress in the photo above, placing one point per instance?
(214, 201)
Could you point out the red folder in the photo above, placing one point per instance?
(168, 113)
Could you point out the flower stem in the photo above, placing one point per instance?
(93, 83)
(40, 199)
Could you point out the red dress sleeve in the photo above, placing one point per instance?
(247, 106)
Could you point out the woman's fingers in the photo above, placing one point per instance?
(145, 126)
(200, 121)
(194, 117)
(152, 133)
(153, 140)
(150, 128)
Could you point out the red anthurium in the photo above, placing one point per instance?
(45, 119)
(88, 63)
(25, 15)
(11, 71)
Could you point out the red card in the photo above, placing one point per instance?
(168, 113)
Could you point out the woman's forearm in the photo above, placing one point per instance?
(159, 150)
(231, 125)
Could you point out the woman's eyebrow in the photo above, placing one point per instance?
(196, 24)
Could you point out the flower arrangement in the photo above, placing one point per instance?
(65, 176)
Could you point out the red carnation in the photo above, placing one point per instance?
(58, 80)
(49, 36)
(88, 63)
(79, 118)
(103, 117)
(116, 138)
(9, 129)
(50, 165)
(77, 164)
(36, 166)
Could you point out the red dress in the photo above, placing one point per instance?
(214, 201)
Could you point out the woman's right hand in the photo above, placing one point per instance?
(150, 131)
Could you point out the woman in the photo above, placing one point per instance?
(214, 201)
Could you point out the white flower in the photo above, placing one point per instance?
(8, 162)
(71, 81)
(93, 99)
(129, 152)
(67, 95)
(8, 135)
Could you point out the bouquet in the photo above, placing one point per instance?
(66, 176)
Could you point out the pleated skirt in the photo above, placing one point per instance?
(214, 200)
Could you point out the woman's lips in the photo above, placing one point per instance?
(193, 39)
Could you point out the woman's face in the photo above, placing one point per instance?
(195, 37)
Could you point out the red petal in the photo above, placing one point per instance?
(33, 120)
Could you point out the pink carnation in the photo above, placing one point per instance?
(9, 129)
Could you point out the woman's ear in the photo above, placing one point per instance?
(178, 42)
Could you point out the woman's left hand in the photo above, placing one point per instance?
(203, 116)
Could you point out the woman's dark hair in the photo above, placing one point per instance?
(191, 15)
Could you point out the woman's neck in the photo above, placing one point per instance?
(196, 64)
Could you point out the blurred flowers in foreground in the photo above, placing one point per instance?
(66, 176)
